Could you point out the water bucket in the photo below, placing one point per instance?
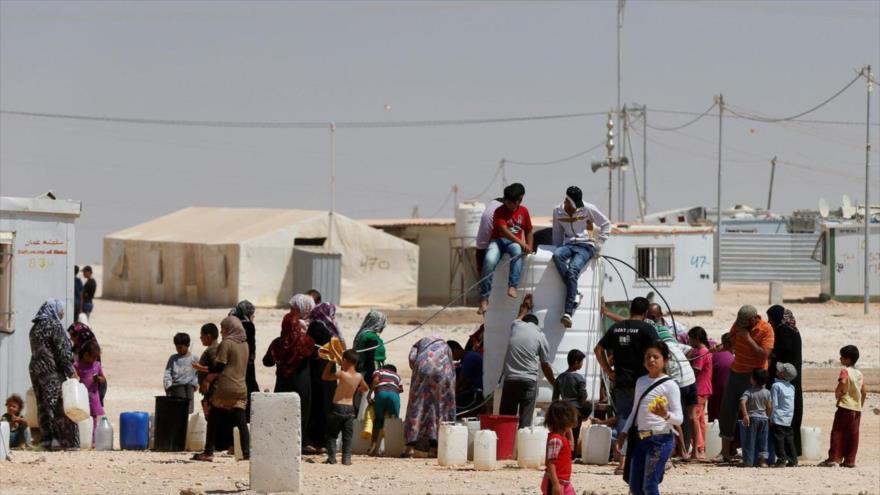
(134, 431)
(485, 443)
(4, 440)
(172, 414)
(596, 444)
(85, 428)
(531, 447)
(452, 444)
(395, 442)
(75, 398)
(473, 426)
(196, 432)
(31, 414)
(713, 440)
(104, 434)
(811, 443)
(505, 428)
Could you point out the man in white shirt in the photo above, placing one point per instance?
(575, 247)
(484, 233)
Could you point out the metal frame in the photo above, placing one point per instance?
(670, 278)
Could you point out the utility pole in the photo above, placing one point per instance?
(620, 177)
(454, 196)
(720, 102)
(609, 145)
(772, 174)
(621, 154)
(645, 157)
(332, 182)
(867, 73)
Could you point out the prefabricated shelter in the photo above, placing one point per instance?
(214, 257)
(37, 249)
(841, 252)
(434, 237)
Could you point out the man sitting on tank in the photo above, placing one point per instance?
(574, 246)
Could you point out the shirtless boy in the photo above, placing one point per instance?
(342, 414)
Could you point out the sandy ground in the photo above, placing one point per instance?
(136, 341)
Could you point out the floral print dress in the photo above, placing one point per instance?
(432, 392)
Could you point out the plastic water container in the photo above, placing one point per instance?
(713, 440)
(4, 440)
(485, 443)
(31, 411)
(104, 435)
(359, 444)
(811, 443)
(531, 447)
(596, 444)
(395, 442)
(75, 398)
(85, 428)
(452, 444)
(473, 426)
(236, 444)
(196, 432)
(134, 431)
(505, 429)
(172, 417)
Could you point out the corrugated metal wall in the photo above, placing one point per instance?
(320, 270)
(769, 257)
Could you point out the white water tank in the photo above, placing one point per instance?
(540, 278)
(595, 444)
(473, 426)
(75, 398)
(713, 440)
(467, 221)
(85, 428)
(31, 415)
(811, 443)
(395, 442)
(196, 432)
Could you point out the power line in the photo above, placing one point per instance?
(445, 202)
(554, 162)
(693, 121)
(804, 121)
(498, 171)
(299, 125)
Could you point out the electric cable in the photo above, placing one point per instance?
(686, 124)
(560, 160)
(498, 170)
(445, 202)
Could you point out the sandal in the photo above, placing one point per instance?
(618, 471)
(827, 463)
(203, 458)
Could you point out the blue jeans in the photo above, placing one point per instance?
(570, 262)
(754, 440)
(493, 255)
(647, 462)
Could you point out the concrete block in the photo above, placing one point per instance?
(276, 443)
(776, 290)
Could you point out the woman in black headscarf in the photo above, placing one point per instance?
(244, 311)
(787, 349)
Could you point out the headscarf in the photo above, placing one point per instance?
(326, 314)
(232, 329)
(375, 321)
(788, 319)
(51, 310)
(776, 315)
(293, 345)
(244, 311)
(303, 304)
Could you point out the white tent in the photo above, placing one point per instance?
(217, 256)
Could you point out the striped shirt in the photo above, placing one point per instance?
(387, 380)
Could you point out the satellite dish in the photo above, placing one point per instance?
(847, 209)
(823, 208)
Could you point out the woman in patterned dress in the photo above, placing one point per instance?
(51, 364)
(431, 394)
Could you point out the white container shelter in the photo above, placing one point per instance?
(841, 250)
(541, 279)
(37, 256)
(215, 257)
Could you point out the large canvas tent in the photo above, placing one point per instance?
(212, 257)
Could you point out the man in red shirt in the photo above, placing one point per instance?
(752, 340)
(512, 234)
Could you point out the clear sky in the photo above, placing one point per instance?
(346, 61)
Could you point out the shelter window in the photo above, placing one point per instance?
(655, 263)
(6, 309)
(310, 241)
